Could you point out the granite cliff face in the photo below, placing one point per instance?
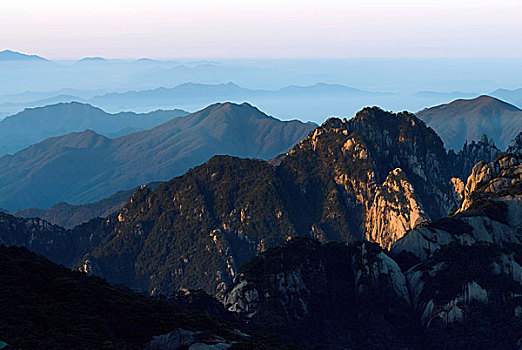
(396, 209)
(491, 211)
(465, 270)
(500, 179)
(385, 161)
(446, 287)
(462, 297)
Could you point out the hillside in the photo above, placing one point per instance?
(92, 167)
(55, 308)
(463, 121)
(33, 125)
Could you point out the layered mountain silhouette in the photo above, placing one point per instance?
(36, 124)
(197, 94)
(463, 121)
(85, 167)
(260, 236)
(192, 92)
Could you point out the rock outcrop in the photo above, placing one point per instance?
(491, 211)
(483, 150)
(500, 179)
(516, 145)
(464, 271)
(446, 286)
(461, 297)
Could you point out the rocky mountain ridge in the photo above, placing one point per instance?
(374, 177)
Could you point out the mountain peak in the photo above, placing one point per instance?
(232, 107)
(482, 101)
(93, 59)
(75, 105)
(468, 119)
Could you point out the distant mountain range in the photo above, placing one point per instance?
(447, 95)
(8, 55)
(467, 120)
(34, 125)
(85, 167)
(194, 95)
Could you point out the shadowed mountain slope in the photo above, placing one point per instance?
(46, 306)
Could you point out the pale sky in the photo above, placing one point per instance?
(69, 29)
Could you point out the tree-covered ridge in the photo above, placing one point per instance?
(210, 217)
